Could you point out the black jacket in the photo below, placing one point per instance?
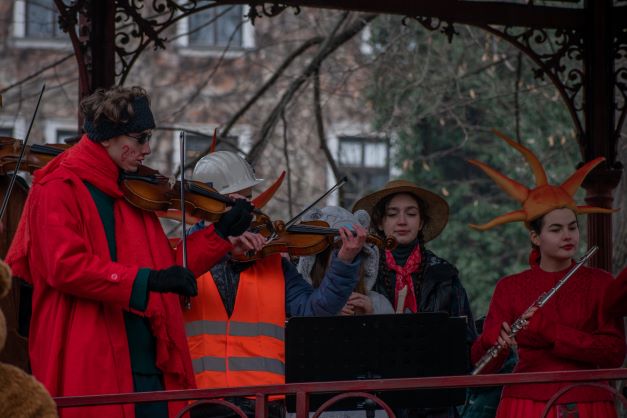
(437, 288)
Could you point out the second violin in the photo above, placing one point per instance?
(35, 156)
(302, 239)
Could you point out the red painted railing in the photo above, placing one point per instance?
(352, 389)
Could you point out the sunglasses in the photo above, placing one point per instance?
(141, 138)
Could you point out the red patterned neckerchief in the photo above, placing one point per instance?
(403, 278)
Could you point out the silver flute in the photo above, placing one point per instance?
(520, 323)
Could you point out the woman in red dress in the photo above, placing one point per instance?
(568, 332)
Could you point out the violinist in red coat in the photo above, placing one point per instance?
(106, 313)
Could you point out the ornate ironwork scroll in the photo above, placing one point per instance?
(558, 53)
(140, 23)
(433, 23)
(261, 9)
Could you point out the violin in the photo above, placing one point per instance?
(305, 238)
(35, 156)
(149, 190)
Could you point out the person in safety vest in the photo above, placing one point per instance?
(106, 315)
(240, 342)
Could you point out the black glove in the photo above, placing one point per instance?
(237, 220)
(175, 279)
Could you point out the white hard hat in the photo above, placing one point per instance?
(226, 170)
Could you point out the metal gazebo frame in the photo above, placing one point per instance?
(588, 67)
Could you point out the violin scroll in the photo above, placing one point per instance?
(390, 243)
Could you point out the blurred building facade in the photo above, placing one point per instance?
(214, 62)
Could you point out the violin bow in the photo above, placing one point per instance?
(5, 201)
(296, 218)
(187, 302)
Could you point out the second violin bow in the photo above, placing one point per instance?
(296, 218)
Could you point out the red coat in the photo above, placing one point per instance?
(568, 333)
(78, 343)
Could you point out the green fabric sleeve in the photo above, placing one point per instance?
(139, 295)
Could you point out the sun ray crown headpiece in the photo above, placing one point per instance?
(544, 197)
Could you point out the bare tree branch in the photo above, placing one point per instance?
(206, 81)
(286, 154)
(320, 128)
(36, 73)
(199, 133)
(516, 94)
(331, 44)
(270, 82)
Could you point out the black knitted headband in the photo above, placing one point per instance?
(106, 129)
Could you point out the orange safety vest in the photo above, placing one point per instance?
(248, 348)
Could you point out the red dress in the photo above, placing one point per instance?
(78, 343)
(568, 333)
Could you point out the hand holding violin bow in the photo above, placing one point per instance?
(352, 242)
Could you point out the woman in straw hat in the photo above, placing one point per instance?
(569, 332)
(413, 278)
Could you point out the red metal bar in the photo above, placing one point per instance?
(566, 389)
(302, 404)
(261, 406)
(348, 386)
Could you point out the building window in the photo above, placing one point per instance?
(36, 25)
(41, 20)
(12, 127)
(214, 27)
(65, 134)
(220, 29)
(57, 131)
(366, 162)
(195, 145)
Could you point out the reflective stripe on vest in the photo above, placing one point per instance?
(238, 329)
(238, 364)
(249, 347)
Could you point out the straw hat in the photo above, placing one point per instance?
(436, 207)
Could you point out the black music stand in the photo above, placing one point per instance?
(321, 349)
